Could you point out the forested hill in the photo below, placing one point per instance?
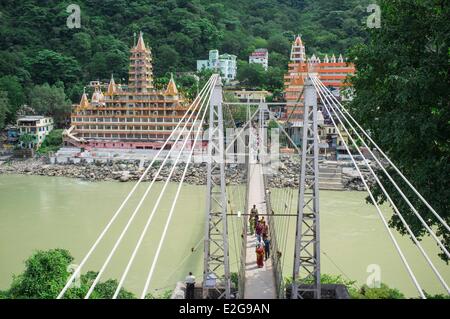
(37, 47)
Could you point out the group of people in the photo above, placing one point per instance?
(261, 229)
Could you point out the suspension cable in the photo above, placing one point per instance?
(119, 210)
(324, 89)
(155, 259)
(441, 280)
(156, 205)
(130, 220)
(392, 164)
(391, 235)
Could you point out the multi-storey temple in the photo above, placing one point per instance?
(331, 71)
(134, 116)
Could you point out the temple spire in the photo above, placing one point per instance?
(298, 50)
(140, 74)
(84, 103)
(171, 87)
(112, 88)
(141, 44)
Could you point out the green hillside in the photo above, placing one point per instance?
(38, 48)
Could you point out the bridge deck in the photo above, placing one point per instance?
(259, 282)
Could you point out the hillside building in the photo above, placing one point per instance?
(260, 56)
(224, 63)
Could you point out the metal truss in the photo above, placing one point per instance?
(306, 274)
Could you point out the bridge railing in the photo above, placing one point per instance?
(274, 250)
(242, 266)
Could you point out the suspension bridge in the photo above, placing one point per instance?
(228, 208)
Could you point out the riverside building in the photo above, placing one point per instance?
(136, 116)
(331, 71)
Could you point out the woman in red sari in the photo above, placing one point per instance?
(260, 255)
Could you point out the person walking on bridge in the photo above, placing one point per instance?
(267, 247)
(259, 230)
(264, 229)
(190, 285)
(253, 219)
(260, 255)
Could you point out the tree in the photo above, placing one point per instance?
(251, 75)
(44, 276)
(46, 273)
(382, 292)
(4, 108)
(52, 142)
(50, 67)
(16, 96)
(51, 101)
(402, 96)
(279, 44)
(38, 48)
(167, 57)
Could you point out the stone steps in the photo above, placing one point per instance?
(330, 177)
(331, 186)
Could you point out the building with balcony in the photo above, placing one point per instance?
(260, 56)
(36, 127)
(224, 63)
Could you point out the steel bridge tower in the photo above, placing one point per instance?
(306, 274)
(216, 254)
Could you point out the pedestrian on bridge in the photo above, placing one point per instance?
(253, 219)
(267, 247)
(259, 230)
(264, 229)
(260, 255)
(190, 286)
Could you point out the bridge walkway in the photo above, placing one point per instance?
(259, 282)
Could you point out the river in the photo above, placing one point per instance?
(38, 213)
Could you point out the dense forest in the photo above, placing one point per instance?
(40, 54)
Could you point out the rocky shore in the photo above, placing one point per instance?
(125, 171)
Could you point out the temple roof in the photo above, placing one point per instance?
(171, 87)
(298, 40)
(97, 96)
(84, 103)
(112, 88)
(141, 44)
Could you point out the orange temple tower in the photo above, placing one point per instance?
(332, 72)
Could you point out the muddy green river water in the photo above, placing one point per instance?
(48, 212)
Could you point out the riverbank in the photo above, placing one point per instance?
(131, 170)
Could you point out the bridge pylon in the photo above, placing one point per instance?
(306, 274)
(216, 249)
